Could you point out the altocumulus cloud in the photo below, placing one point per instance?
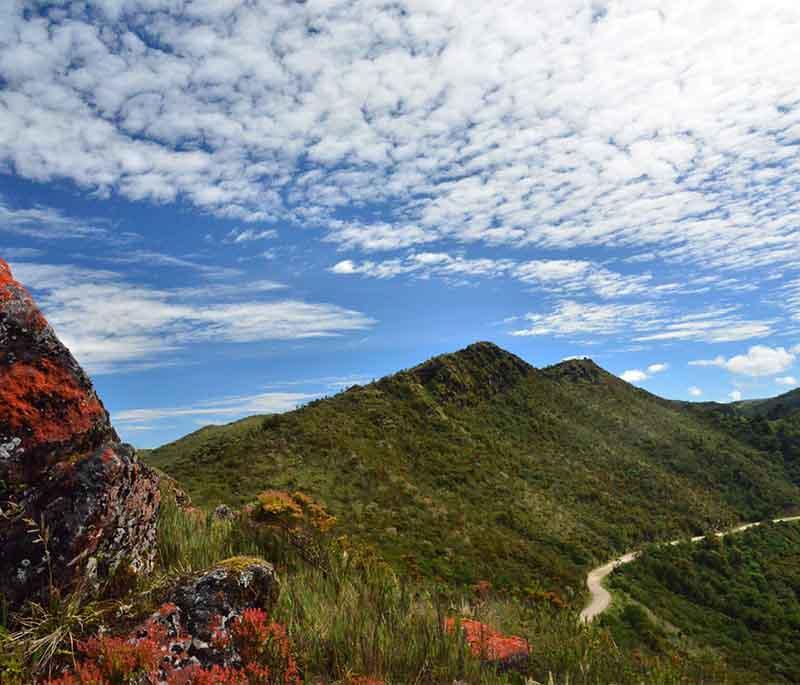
(521, 123)
(113, 325)
(645, 321)
(557, 275)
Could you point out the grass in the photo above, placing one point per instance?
(354, 616)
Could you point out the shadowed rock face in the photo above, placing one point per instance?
(76, 503)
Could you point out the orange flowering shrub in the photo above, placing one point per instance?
(292, 511)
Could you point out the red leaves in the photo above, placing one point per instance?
(265, 643)
(488, 644)
(262, 646)
(114, 661)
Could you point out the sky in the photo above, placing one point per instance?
(228, 207)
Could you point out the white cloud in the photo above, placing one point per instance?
(555, 275)
(10, 253)
(248, 235)
(642, 322)
(639, 376)
(716, 325)
(152, 258)
(571, 318)
(789, 381)
(759, 360)
(227, 408)
(634, 376)
(694, 391)
(522, 123)
(111, 324)
(735, 395)
(46, 223)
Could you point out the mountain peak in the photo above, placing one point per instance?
(582, 369)
(481, 369)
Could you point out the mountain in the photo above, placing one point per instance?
(476, 465)
(772, 426)
(772, 408)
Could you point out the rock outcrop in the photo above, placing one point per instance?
(76, 504)
(200, 624)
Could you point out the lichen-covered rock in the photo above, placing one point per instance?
(224, 513)
(87, 521)
(224, 592)
(199, 619)
(76, 504)
(48, 407)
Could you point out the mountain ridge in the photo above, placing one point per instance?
(476, 464)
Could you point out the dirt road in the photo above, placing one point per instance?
(600, 598)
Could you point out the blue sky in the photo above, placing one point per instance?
(231, 207)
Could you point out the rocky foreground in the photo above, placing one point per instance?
(78, 506)
(79, 518)
(80, 511)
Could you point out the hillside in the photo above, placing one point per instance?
(477, 465)
(772, 408)
(772, 426)
(740, 595)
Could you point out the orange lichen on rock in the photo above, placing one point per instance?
(16, 302)
(5, 272)
(47, 400)
(62, 466)
(488, 644)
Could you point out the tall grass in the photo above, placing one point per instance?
(354, 616)
(357, 617)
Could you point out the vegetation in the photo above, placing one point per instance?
(350, 620)
(471, 491)
(739, 594)
(475, 465)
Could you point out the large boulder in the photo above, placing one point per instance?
(75, 504)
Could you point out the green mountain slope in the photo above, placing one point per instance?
(476, 465)
(740, 595)
(772, 408)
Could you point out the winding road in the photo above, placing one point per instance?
(600, 598)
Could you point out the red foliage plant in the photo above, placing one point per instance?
(487, 643)
(114, 661)
(263, 646)
(262, 642)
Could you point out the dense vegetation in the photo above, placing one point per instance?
(351, 620)
(771, 426)
(475, 465)
(739, 594)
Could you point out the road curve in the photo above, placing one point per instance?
(600, 598)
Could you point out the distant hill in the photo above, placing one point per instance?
(773, 408)
(477, 465)
(772, 426)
